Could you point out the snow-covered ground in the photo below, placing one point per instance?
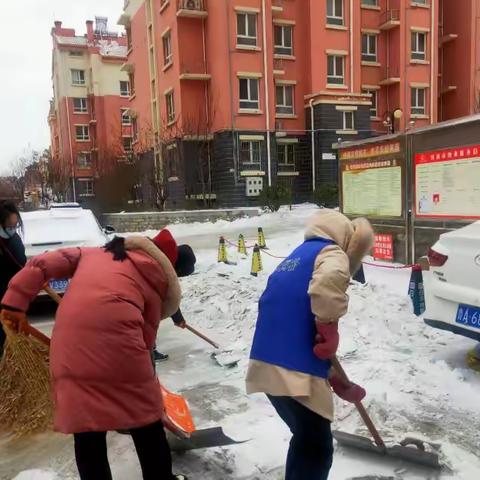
(416, 378)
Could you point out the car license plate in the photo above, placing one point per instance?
(468, 315)
(59, 286)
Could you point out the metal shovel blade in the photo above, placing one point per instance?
(207, 438)
(408, 454)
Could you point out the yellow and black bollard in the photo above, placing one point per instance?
(222, 251)
(242, 248)
(256, 261)
(261, 239)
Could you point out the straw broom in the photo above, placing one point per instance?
(25, 396)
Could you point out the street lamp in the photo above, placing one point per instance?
(390, 118)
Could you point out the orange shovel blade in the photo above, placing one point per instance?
(178, 412)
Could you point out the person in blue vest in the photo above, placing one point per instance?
(297, 334)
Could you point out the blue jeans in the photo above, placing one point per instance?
(310, 454)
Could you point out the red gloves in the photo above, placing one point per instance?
(352, 392)
(16, 321)
(326, 341)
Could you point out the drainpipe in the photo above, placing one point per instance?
(351, 47)
(313, 146)
(433, 50)
(207, 113)
(74, 189)
(267, 92)
(232, 113)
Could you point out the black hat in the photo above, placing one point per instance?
(185, 264)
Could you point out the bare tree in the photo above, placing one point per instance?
(18, 169)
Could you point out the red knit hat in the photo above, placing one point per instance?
(166, 243)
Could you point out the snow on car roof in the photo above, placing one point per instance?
(470, 231)
(65, 225)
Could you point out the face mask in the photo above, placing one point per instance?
(7, 233)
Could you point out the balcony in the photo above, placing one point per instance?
(450, 37)
(391, 76)
(194, 70)
(390, 19)
(192, 8)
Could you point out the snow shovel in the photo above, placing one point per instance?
(185, 436)
(411, 450)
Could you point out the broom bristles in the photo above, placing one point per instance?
(25, 396)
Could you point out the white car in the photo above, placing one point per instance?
(452, 287)
(62, 226)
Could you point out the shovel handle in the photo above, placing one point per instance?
(52, 294)
(202, 336)
(32, 331)
(359, 405)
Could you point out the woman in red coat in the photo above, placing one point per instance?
(100, 360)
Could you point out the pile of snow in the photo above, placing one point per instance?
(37, 475)
(415, 376)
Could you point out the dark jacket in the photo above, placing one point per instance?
(12, 259)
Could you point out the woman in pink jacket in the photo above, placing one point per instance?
(100, 361)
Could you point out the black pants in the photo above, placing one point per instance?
(310, 454)
(152, 449)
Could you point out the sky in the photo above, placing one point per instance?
(25, 79)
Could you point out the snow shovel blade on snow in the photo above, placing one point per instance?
(410, 450)
(184, 436)
(206, 438)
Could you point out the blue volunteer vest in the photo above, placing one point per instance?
(285, 331)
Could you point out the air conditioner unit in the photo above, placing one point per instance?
(192, 4)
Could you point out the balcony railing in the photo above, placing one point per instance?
(390, 19)
(192, 8)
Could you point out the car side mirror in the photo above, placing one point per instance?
(109, 230)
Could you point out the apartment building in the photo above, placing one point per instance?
(90, 127)
(229, 96)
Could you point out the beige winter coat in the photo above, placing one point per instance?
(333, 268)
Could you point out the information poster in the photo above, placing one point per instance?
(372, 188)
(447, 183)
(383, 247)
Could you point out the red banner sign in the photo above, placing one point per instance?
(383, 247)
(370, 152)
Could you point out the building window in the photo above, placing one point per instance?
(75, 53)
(249, 97)
(80, 105)
(348, 120)
(336, 70)
(374, 100)
(247, 29)
(171, 161)
(283, 40)
(419, 42)
(284, 96)
(126, 119)
(370, 3)
(369, 47)
(82, 133)
(167, 49)
(419, 2)
(418, 101)
(286, 153)
(251, 155)
(335, 12)
(85, 187)
(124, 88)
(127, 144)
(78, 77)
(170, 102)
(84, 160)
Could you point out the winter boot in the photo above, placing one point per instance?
(159, 357)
